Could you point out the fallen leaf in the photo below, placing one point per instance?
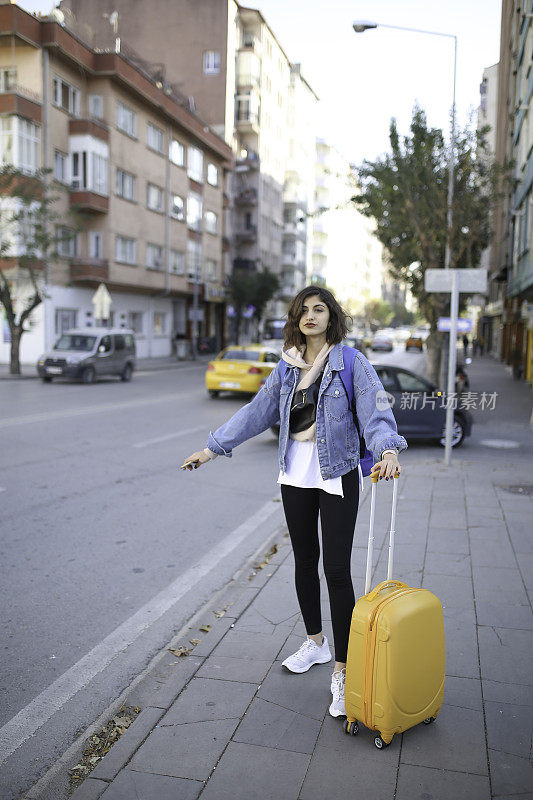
(205, 628)
(195, 641)
(180, 651)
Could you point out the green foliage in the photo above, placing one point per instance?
(252, 288)
(26, 217)
(406, 192)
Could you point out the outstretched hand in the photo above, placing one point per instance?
(195, 461)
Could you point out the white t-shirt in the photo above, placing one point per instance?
(303, 469)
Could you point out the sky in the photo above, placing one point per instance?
(363, 80)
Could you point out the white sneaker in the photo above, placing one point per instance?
(337, 707)
(308, 654)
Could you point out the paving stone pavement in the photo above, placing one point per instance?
(229, 722)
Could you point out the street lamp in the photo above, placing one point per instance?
(361, 26)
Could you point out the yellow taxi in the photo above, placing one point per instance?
(240, 368)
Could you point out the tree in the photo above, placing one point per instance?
(251, 288)
(26, 245)
(406, 192)
(378, 313)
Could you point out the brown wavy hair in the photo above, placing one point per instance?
(337, 327)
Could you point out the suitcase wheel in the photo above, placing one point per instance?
(380, 744)
(351, 728)
(428, 721)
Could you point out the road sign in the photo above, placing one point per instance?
(101, 301)
(463, 325)
(468, 280)
(454, 281)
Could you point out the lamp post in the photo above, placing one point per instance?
(360, 27)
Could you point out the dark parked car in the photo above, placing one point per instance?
(418, 419)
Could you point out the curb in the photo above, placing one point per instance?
(6, 376)
(232, 594)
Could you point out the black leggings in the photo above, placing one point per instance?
(337, 518)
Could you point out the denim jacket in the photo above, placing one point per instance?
(336, 435)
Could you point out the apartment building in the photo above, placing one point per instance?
(492, 311)
(148, 174)
(345, 253)
(511, 267)
(299, 188)
(227, 59)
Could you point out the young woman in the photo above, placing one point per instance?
(319, 463)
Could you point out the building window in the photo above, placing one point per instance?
(176, 153)
(177, 262)
(95, 245)
(154, 256)
(212, 175)
(61, 166)
(195, 164)
(89, 172)
(125, 250)
(211, 222)
(154, 197)
(96, 106)
(99, 177)
(154, 138)
(67, 241)
(211, 62)
(65, 319)
(20, 143)
(66, 96)
(177, 207)
(135, 321)
(125, 184)
(8, 80)
(194, 259)
(210, 269)
(247, 107)
(194, 211)
(159, 328)
(126, 119)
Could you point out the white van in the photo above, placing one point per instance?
(87, 353)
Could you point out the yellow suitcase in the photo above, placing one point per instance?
(395, 662)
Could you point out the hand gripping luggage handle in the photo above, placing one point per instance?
(370, 550)
(385, 585)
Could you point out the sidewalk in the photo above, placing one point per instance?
(227, 721)
(165, 362)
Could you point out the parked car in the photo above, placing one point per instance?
(426, 420)
(422, 418)
(381, 342)
(415, 342)
(88, 353)
(240, 368)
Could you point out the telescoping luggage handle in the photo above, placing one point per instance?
(370, 551)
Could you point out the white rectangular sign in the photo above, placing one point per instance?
(468, 280)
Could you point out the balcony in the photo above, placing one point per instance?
(248, 162)
(89, 270)
(294, 229)
(90, 127)
(89, 201)
(246, 197)
(244, 235)
(248, 80)
(248, 122)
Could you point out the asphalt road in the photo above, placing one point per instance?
(107, 548)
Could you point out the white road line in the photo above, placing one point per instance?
(103, 407)
(35, 714)
(159, 439)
